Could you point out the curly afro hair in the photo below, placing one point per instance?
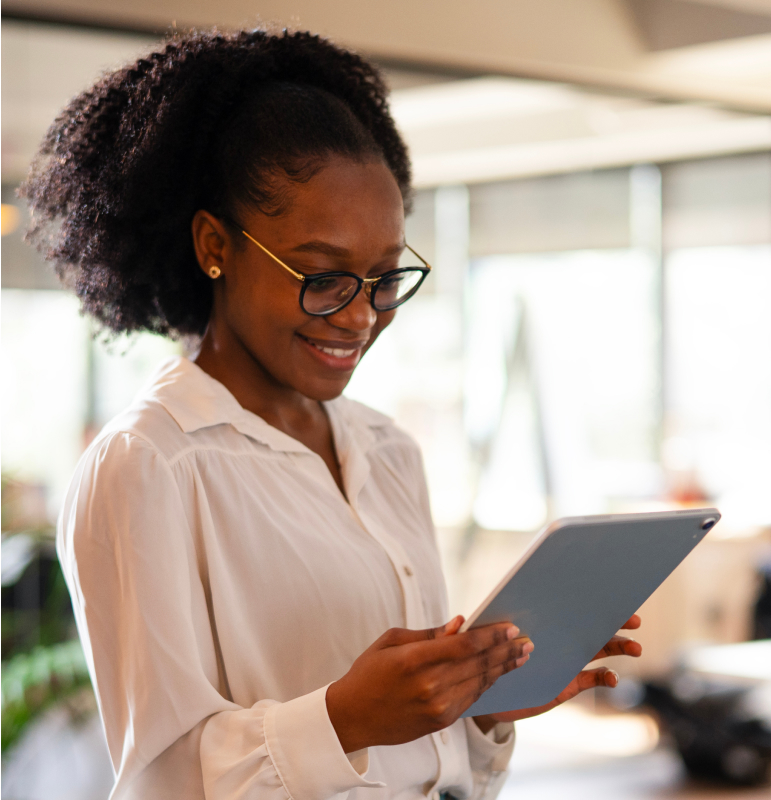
(208, 122)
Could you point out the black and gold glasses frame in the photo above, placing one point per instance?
(329, 292)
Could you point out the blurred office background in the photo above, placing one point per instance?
(594, 189)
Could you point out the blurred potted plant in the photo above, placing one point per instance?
(42, 660)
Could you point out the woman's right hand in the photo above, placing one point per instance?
(411, 683)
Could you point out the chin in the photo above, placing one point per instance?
(325, 390)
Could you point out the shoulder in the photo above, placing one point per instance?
(146, 425)
(180, 409)
(142, 443)
(133, 467)
(130, 455)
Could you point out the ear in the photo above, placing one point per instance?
(212, 241)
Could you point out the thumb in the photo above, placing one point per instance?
(452, 627)
(399, 636)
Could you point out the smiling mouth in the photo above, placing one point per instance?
(335, 352)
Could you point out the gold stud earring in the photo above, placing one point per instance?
(214, 272)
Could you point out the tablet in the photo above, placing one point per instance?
(575, 586)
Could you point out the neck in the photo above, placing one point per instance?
(224, 357)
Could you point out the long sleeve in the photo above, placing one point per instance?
(136, 570)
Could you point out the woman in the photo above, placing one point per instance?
(251, 556)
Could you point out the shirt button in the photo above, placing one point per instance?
(408, 572)
(444, 737)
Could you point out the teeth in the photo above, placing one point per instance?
(336, 352)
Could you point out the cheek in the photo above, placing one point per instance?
(261, 309)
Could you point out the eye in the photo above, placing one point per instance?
(325, 283)
(390, 282)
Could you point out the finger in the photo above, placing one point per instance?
(588, 679)
(632, 623)
(495, 660)
(469, 644)
(478, 640)
(453, 626)
(395, 637)
(620, 646)
(470, 690)
(592, 678)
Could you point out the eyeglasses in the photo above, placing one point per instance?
(329, 292)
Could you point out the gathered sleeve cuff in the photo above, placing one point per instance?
(306, 752)
(291, 747)
(489, 755)
(489, 752)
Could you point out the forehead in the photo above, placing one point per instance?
(346, 202)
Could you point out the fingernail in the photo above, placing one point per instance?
(611, 673)
(520, 661)
(528, 648)
(512, 632)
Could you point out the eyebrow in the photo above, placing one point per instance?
(327, 249)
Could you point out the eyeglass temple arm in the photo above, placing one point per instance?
(298, 275)
(301, 277)
(370, 281)
(417, 255)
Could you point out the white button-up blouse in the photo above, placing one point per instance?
(221, 582)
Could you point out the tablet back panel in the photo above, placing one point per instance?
(572, 591)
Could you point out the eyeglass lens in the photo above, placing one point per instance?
(396, 288)
(329, 293)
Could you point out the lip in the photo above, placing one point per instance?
(344, 363)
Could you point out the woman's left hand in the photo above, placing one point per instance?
(586, 679)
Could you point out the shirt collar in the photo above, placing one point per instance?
(196, 400)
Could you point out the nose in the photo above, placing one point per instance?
(358, 315)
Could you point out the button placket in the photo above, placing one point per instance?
(405, 573)
(414, 618)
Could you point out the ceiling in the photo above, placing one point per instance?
(547, 103)
(717, 51)
(494, 128)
